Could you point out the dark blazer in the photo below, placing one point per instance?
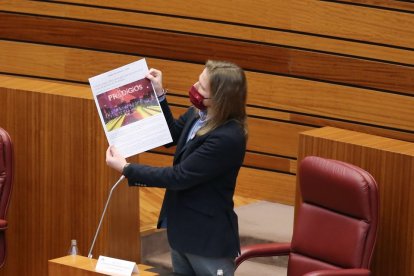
(198, 202)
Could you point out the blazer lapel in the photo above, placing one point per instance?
(182, 143)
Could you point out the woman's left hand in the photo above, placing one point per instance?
(114, 159)
(155, 76)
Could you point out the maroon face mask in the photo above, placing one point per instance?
(196, 98)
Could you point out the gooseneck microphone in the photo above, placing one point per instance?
(103, 214)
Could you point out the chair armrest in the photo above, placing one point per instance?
(262, 250)
(343, 272)
(3, 224)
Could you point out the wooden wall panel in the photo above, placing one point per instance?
(61, 183)
(213, 28)
(333, 101)
(305, 97)
(265, 58)
(266, 185)
(274, 137)
(396, 5)
(296, 15)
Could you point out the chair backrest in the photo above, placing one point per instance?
(336, 223)
(6, 180)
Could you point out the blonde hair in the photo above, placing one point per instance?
(228, 87)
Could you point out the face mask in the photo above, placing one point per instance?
(196, 98)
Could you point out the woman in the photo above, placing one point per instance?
(211, 138)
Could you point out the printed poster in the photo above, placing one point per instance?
(129, 109)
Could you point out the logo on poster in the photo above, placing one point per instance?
(121, 93)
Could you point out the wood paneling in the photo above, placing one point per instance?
(78, 65)
(332, 101)
(269, 162)
(407, 5)
(212, 28)
(266, 136)
(274, 92)
(83, 266)
(307, 16)
(61, 183)
(79, 91)
(274, 137)
(391, 163)
(266, 185)
(379, 130)
(265, 58)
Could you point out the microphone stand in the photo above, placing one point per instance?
(103, 214)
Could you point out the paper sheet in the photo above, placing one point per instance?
(129, 109)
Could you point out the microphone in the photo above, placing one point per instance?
(103, 214)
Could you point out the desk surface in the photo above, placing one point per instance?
(87, 266)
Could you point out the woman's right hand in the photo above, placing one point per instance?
(155, 76)
(114, 159)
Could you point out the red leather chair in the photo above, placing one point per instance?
(6, 180)
(336, 225)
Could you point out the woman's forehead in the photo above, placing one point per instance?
(204, 79)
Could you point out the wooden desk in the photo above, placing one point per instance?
(83, 266)
(62, 181)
